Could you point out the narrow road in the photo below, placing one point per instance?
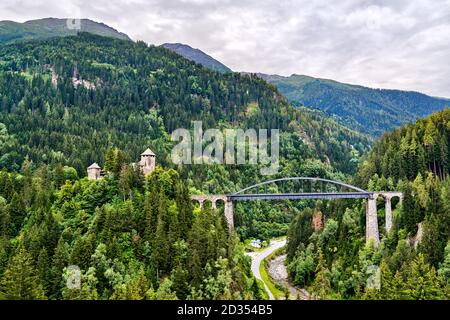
(258, 257)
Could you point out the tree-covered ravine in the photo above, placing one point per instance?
(68, 102)
(334, 262)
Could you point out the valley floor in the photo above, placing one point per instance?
(278, 272)
(276, 269)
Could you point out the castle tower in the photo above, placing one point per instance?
(94, 171)
(148, 161)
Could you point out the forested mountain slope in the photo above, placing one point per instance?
(72, 98)
(11, 31)
(197, 56)
(123, 237)
(70, 101)
(367, 110)
(372, 111)
(67, 102)
(414, 258)
(412, 149)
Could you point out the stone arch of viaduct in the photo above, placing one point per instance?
(214, 199)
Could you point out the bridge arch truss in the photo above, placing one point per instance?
(337, 193)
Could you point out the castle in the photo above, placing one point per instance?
(147, 165)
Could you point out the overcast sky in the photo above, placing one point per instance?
(403, 44)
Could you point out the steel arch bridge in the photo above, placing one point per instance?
(317, 190)
(354, 192)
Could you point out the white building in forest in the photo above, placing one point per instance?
(148, 161)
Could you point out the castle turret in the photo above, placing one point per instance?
(94, 171)
(148, 161)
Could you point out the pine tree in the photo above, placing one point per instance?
(17, 212)
(397, 288)
(43, 269)
(392, 286)
(82, 251)
(126, 181)
(184, 205)
(256, 290)
(6, 228)
(165, 291)
(444, 268)
(195, 267)
(151, 204)
(161, 245)
(180, 284)
(410, 209)
(20, 281)
(321, 287)
(422, 283)
(120, 161)
(433, 241)
(110, 160)
(134, 288)
(59, 262)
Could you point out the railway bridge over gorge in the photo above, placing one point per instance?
(309, 188)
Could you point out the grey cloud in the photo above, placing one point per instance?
(390, 44)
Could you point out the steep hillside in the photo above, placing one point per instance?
(67, 101)
(413, 258)
(11, 31)
(197, 56)
(372, 111)
(109, 86)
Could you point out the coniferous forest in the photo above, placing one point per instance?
(413, 263)
(68, 102)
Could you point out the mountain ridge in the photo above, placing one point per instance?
(11, 31)
(355, 85)
(165, 81)
(197, 55)
(370, 110)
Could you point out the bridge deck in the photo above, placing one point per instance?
(293, 196)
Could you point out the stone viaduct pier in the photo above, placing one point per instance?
(372, 232)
